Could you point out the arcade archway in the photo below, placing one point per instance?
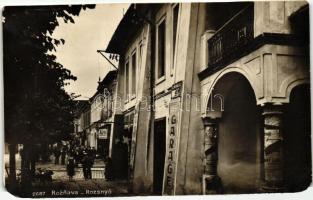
(239, 140)
(297, 139)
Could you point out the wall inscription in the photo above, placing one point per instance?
(171, 148)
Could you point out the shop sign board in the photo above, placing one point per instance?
(171, 148)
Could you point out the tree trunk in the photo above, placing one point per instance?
(12, 164)
(25, 167)
(32, 167)
(44, 153)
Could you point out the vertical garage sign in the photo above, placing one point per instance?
(172, 141)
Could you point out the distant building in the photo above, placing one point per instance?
(82, 120)
(101, 115)
(213, 97)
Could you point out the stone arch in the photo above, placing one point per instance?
(293, 84)
(221, 74)
(297, 137)
(238, 130)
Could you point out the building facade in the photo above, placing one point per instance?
(101, 113)
(82, 120)
(94, 121)
(213, 97)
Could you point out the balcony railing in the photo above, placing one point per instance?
(230, 38)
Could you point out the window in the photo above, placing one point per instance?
(111, 106)
(126, 80)
(134, 73)
(140, 49)
(175, 21)
(140, 55)
(161, 50)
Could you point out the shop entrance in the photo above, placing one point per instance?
(159, 154)
(127, 140)
(103, 148)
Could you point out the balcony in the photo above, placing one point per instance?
(234, 36)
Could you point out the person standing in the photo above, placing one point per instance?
(63, 155)
(70, 168)
(57, 154)
(90, 162)
(84, 162)
(76, 156)
(120, 163)
(93, 153)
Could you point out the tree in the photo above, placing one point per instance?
(37, 109)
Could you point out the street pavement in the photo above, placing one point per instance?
(61, 186)
(59, 171)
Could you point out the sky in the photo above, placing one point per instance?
(92, 31)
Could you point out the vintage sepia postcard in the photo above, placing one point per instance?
(142, 99)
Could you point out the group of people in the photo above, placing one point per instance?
(60, 152)
(76, 155)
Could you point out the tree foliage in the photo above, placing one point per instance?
(37, 108)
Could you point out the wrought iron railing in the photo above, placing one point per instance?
(231, 37)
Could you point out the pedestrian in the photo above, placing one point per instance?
(81, 154)
(84, 162)
(76, 156)
(108, 173)
(57, 154)
(88, 150)
(93, 153)
(70, 168)
(63, 155)
(90, 162)
(120, 163)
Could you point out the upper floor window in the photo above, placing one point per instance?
(161, 34)
(220, 13)
(134, 73)
(175, 21)
(140, 55)
(126, 80)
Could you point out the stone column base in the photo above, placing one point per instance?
(211, 184)
(269, 189)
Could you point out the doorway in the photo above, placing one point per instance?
(101, 148)
(240, 138)
(297, 140)
(159, 154)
